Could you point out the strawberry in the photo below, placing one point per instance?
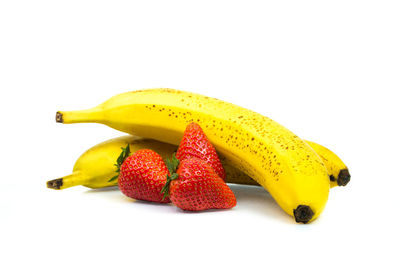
(142, 175)
(196, 144)
(196, 186)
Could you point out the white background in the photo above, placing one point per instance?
(329, 71)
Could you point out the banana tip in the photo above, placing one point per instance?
(55, 184)
(59, 117)
(343, 177)
(303, 214)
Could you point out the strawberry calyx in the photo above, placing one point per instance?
(172, 165)
(121, 158)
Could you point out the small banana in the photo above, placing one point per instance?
(274, 157)
(95, 167)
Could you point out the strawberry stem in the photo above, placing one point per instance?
(172, 165)
(121, 158)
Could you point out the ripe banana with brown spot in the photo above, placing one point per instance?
(95, 167)
(273, 156)
(338, 172)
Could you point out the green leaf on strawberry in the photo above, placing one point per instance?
(172, 165)
(121, 158)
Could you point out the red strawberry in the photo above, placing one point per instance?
(195, 144)
(196, 186)
(142, 176)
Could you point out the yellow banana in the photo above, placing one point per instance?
(273, 156)
(337, 170)
(95, 167)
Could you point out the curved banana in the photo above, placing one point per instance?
(339, 174)
(95, 167)
(276, 158)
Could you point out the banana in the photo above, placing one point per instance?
(95, 167)
(338, 172)
(273, 156)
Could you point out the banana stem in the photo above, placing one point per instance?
(79, 116)
(75, 178)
